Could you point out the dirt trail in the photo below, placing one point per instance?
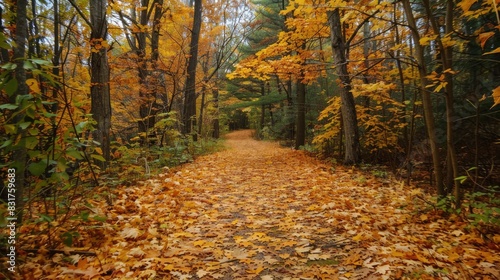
(260, 211)
(250, 217)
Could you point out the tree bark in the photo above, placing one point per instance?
(426, 98)
(202, 107)
(20, 154)
(216, 126)
(262, 107)
(348, 106)
(447, 64)
(140, 49)
(300, 135)
(99, 80)
(189, 114)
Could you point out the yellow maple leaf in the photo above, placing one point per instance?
(255, 271)
(246, 244)
(497, 50)
(33, 85)
(383, 269)
(424, 41)
(397, 254)
(358, 237)
(270, 260)
(199, 243)
(355, 259)
(483, 37)
(202, 273)
(289, 243)
(466, 4)
(260, 236)
(239, 254)
(284, 256)
(496, 238)
(453, 256)
(496, 96)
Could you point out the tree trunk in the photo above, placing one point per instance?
(99, 81)
(348, 106)
(300, 135)
(202, 108)
(189, 114)
(20, 155)
(216, 126)
(262, 108)
(144, 108)
(426, 98)
(153, 76)
(155, 36)
(447, 63)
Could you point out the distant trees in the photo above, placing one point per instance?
(396, 73)
(142, 31)
(79, 85)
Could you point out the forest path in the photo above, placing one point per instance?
(260, 211)
(253, 211)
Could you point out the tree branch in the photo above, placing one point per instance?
(80, 12)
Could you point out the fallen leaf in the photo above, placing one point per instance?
(128, 232)
(383, 269)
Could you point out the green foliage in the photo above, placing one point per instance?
(481, 206)
(445, 204)
(135, 162)
(309, 148)
(59, 152)
(272, 98)
(484, 209)
(263, 133)
(379, 173)
(68, 237)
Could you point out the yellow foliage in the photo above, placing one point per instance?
(466, 4)
(496, 96)
(33, 85)
(426, 40)
(483, 37)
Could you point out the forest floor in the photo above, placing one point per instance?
(260, 211)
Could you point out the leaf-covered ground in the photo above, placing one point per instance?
(259, 211)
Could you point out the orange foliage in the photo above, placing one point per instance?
(260, 210)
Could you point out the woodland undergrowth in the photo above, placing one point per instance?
(259, 211)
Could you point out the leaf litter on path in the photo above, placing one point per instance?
(260, 211)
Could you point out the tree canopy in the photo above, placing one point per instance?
(97, 95)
